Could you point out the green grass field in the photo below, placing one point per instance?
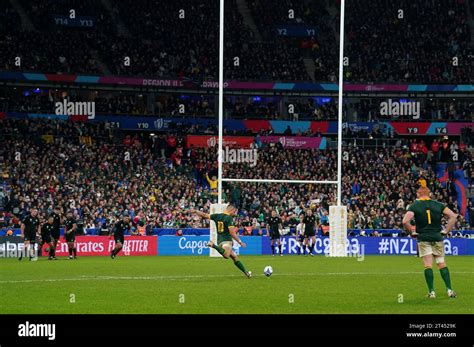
(214, 285)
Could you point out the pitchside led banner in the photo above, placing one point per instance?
(12, 246)
(357, 246)
(103, 245)
(196, 245)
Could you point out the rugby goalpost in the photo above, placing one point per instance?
(337, 213)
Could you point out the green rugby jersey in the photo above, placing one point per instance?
(428, 215)
(223, 223)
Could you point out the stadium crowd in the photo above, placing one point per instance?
(421, 48)
(99, 172)
(85, 168)
(406, 41)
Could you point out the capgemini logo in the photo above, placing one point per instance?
(283, 141)
(193, 246)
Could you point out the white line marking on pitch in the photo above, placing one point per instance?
(190, 277)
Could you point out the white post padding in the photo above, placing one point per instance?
(337, 231)
(215, 208)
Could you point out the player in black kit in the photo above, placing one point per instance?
(46, 231)
(119, 234)
(70, 227)
(56, 233)
(300, 235)
(273, 230)
(30, 228)
(309, 231)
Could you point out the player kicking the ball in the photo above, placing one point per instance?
(428, 214)
(226, 232)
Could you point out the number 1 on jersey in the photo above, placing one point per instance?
(428, 212)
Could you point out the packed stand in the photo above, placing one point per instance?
(99, 172)
(167, 44)
(96, 172)
(322, 47)
(419, 47)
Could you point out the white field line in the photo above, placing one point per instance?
(190, 277)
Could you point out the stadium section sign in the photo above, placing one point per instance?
(279, 127)
(296, 30)
(78, 21)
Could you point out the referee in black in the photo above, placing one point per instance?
(30, 228)
(309, 221)
(70, 227)
(46, 231)
(273, 230)
(56, 232)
